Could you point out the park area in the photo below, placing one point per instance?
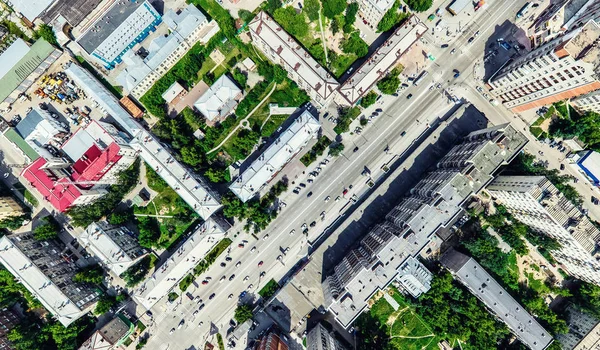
(402, 326)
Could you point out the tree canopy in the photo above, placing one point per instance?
(46, 32)
(390, 83)
(369, 99)
(351, 12)
(243, 313)
(47, 230)
(311, 8)
(91, 274)
(104, 304)
(355, 45)
(390, 19)
(332, 8)
(292, 22)
(419, 5)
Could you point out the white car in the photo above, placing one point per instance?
(265, 237)
(253, 250)
(246, 278)
(172, 330)
(327, 199)
(230, 296)
(292, 232)
(239, 263)
(250, 286)
(337, 199)
(200, 324)
(304, 226)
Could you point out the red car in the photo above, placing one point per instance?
(204, 282)
(260, 263)
(241, 245)
(345, 191)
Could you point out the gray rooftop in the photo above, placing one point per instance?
(497, 299)
(74, 11)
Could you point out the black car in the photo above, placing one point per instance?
(212, 296)
(230, 278)
(444, 46)
(223, 264)
(309, 194)
(355, 149)
(201, 307)
(562, 167)
(228, 258)
(189, 295)
(149, 313)
(409, 96)
(303, 185)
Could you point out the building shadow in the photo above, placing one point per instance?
(504, 45)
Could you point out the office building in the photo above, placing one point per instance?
(382, 60)
(282, 49)
(589, 166)
(8, 321)
(9, 208)
(21, 65)
(219, 100)
(143, 68)
(115, 246)
(111, 336)
(276, 156)
(561, 16)
(373, 11)
(534, 201)
(272, 340)
(498, 301)
(190, 187)
(562, 68)
(181, 263)
(118, 29)
(320, 338)
(46, 269)
(387, 253)
(584, 331)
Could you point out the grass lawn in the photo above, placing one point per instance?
(207, 65)
(269, 289)
(220, 70)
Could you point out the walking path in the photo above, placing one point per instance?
(243, 122)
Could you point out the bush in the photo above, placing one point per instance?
(336, 149)
(269, 289)
(46, 32)
(136, 273)
(47, 230)
(346, 116)
(186, 282)
(316, 150)
(245, 15)
(173, 296)
(240, 77)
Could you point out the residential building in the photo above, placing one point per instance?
(8, 321)
(276, 156)
(115, 246)
(589, 165)
(382, 60)
(320, 338)
(271, 341)
(21, 65)
(123, 25)
(589, 102)
(387, 253)
(111, 336)
(190, 187)
(187, 28)
(284, 50)
(584, 331)
(562, 68)
(534, 201)
(9, 207)
(181, 263)
(219, 100)
(46, 269)
(372, 11)
(498, 301)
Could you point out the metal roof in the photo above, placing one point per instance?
(20, 143)
(31, 9)
(219, 100)
(186, 21)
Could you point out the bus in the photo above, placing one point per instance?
(524, 10)
(420, 78)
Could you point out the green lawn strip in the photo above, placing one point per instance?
(269, 289)
(212, 256)
(317, 150)
(207, 65)
(186, 282)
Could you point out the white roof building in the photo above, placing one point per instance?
(172, 92)
(220, 99)
(114, 246)
(192, 190)
(276, 156)
(13, 54)
(383, 59)
(180, 264)
(94, 133)
(284, 50)
(589, 165)
(30, 9)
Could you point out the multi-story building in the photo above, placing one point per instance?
(190, 187)
(584, 331)
(219, 100)
(320, 338)
(8, 321)
(276, 156)
(181, 263)
(534, 201)
(114, 246)
(21, 65)
(382, 60)
(387, 253)
(589, 102)
(498, 301)
(119, 28)
(187, 28)
(372, 11)
(9, 207)
(38, 128)
(562, 68)
(111, 336)
(589, 166)
(46, 269)
(271, 341)
(284, 50)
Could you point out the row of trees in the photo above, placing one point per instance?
(585, 126)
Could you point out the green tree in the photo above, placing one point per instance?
(351, 12)
(272, 5)
(586, 297)
(243, 313)
(292, 22)
(191, 155)
(136, 273)
(91, 274)
(419, 5)
(311, 8)
(336, 149)
(192, 119)
(14, 222)
(369, 99)
(149, 231)
(46, 32)
(390, 19)
(240, 77)
(245, 15)
(337, 23)
(390, 83)
(355, 45)
(48, 230)
(217, 175)
(332, 8)
(120, 217)
(104, 304)
(233, 206)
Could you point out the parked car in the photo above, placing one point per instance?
(409, 96)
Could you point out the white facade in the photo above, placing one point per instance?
(534, 201)
(372, 11)
(560, 69)
(276, 156)
(180, 264)
(284, 50)
(219, 100)
(589, 102)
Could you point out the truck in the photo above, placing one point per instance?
(420, 78)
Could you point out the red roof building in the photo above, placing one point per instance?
(95, 163)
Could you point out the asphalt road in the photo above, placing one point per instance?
(399, 115)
